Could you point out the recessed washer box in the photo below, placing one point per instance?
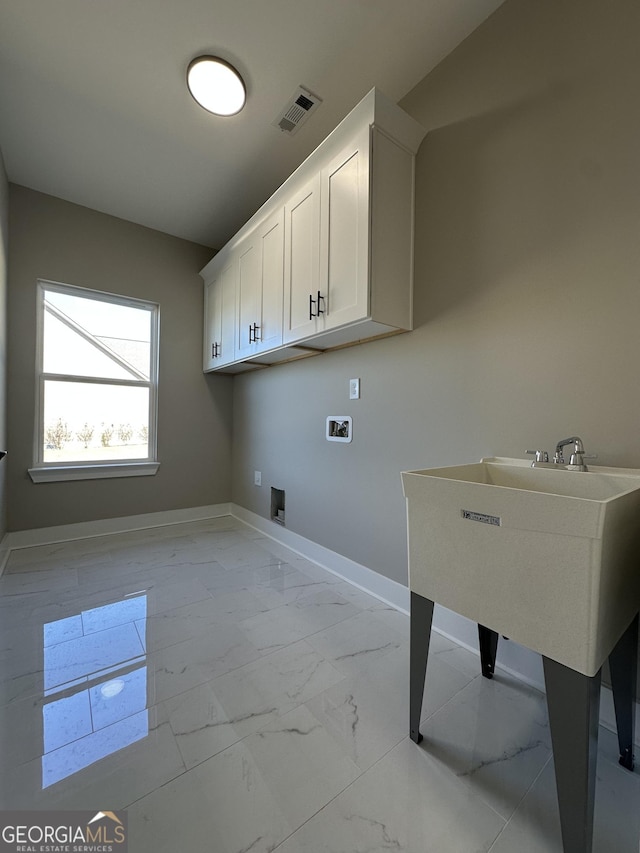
(339, 428)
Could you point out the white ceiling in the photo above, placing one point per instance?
(94, 107)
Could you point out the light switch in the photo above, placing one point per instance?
(354, 389)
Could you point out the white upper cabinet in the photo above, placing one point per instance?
(260, 287)
(302, 261)
(219, 313)
(326, 245)
(328, 260)
(248, 295)
(272, 244)
(344, 234)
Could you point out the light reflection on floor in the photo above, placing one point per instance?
(103, 706)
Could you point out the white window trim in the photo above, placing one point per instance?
(47, 472)
(97, 471)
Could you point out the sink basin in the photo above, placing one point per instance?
(549, 558)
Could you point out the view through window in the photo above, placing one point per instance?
(98, 378)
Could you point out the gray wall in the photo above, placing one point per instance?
(527, 296)
(53, 239)
(4, 256)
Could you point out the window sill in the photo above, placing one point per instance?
(58, 473)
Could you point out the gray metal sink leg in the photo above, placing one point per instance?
(420, 634)
(488, 648)
(623, 665)
(573, 700)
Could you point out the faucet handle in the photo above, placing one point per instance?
(577, 458)
(541, 455)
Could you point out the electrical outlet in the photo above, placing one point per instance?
(354, 389)
(257, 478)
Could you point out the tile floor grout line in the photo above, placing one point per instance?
(353, 781)
(520, 801)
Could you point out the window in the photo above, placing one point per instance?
(97, 385)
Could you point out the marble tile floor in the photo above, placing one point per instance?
(234, 697)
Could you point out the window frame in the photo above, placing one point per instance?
(42, 471)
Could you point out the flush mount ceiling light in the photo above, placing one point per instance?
(216, 85)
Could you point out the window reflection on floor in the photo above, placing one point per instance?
(94, 664)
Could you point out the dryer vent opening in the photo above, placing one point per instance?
(277, 505)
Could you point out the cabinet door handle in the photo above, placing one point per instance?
(312, 302)
(250, 334)
(255, 333)
(320, 310)
(215, 349)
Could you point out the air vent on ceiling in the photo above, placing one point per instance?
(298, 109)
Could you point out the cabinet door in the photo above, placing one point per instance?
(302, 263)
(271, 234)
(227, 287)
(219, 317)
(344, 234)
(260, 288)
(248, 295)
(212, 320)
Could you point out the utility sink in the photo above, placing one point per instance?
(548, 558)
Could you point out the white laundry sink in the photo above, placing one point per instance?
(549, 558)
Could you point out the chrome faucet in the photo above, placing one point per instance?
(576, 461)
(578, 449)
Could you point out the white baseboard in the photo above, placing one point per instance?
(105, 527)
(385, 589)
(515, 659)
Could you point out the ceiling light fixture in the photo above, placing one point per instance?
(216, 85)
(112, 688)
